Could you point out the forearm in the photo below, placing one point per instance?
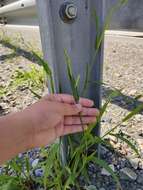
(14, 136)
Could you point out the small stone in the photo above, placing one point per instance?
(140, 179)
(106, 120)
(118, 75)
(22, 88)
(132, 92)
(35, 163)
(128, 173)
(124, 124)
(134, 162)
(104, 150)
(4, 106)
(141, 164)
(39, 187)
(39, 173)
(105, 172)
(20, 155)
(113, 139)
(139, 141)
(91, 187)
(122, 162)
(118, 167)
(20, 67)
(138, 117)
(92, 168)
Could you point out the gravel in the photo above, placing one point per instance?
(123, 68)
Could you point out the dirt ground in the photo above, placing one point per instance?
(123, 70)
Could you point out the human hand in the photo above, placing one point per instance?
(57, 115)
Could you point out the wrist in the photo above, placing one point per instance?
(22, 130)
(26, 128)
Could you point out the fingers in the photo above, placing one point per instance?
(86, 102)
(76, 120)
(70, 129)
(90, 112)
(68, 109)
(69, 99)
(64, 98)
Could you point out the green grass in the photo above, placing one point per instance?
(32, 79)
(2, 91)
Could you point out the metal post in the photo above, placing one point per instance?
(70, 24)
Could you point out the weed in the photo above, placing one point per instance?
(32, 79)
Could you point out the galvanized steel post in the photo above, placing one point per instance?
(70, 24)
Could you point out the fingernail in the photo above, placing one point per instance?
(92, 102)
(96, 111)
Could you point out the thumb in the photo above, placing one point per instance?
(70, 109)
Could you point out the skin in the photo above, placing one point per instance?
(41, 123)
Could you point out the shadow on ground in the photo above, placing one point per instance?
(17, 52)
(126, 102)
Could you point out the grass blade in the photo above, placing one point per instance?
(86, 80)
(35, 94)
(100, 37)
(114, 9)
(47, 69)
(77, 81)
(95, 16)
(129, 143)
(11, 185)
(50, 162)
(71, 76)
(133, 113)
(138, 97)
(43, 63)
(109, 99)
(129, 116)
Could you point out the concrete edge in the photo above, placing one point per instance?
(124, 33)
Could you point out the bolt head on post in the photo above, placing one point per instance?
(68, 12)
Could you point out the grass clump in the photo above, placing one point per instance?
(33, 79)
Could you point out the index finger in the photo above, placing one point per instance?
(66, 98)
(62, 98)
